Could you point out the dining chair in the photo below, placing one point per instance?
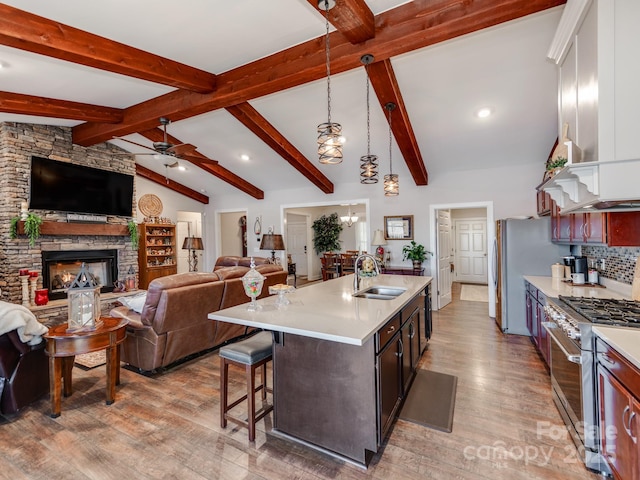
(348, 261)
(330, 266)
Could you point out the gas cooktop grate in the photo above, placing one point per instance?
(606, 311)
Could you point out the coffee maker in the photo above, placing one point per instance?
(576, 265)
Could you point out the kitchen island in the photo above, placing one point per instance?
(342, 365)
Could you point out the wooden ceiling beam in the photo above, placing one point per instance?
(26, 31)
(351, 17)
(383, 81)
(207, 164)
(259, 125)
(403, 29)
(54, 108)
(170, 184)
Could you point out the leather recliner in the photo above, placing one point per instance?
(174, 323)
(24, 372)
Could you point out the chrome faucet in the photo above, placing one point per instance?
(356, 269)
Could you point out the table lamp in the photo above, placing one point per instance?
(273, 242)
(378, 239)
(192, 244)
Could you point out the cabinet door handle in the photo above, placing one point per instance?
(391, 330)
(607, 359)
(624, 423)
(633, 437)
(412, 330)
(401, 352)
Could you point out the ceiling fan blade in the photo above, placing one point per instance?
(134, 143)
(181, 149)
(197, 159)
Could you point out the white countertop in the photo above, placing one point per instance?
(327, 310)
(624, 340)
(552, 287)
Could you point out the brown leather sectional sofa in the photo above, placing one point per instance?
(173, 323)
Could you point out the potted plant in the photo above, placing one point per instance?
(31, 227)
(555, 164)
(133, 234)
(326, 233)
(416, 253)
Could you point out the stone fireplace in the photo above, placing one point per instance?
(18, 143)
(60, 268)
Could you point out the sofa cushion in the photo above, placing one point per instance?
(225, 273)
(159, 285)
(233, 261)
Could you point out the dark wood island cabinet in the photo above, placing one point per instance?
(343, 365)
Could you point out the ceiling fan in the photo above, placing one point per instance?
(164, 149)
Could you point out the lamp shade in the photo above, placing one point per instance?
(272, 241)
(378, 238)
(193, 243)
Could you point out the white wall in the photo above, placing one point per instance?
(511, 189)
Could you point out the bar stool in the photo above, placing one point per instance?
(252, 353)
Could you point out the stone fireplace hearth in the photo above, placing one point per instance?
(18, 143)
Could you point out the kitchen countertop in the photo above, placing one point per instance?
(553, 287)
(624, 340)
(327, 310)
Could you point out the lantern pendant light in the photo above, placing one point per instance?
(368, 162)
(391, 184)
(329, 133)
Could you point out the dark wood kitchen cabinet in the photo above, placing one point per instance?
(614, 229)
(372, 380)
(619, 412)
(544, 203)
(535, 303)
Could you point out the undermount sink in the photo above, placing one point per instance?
(380, 293)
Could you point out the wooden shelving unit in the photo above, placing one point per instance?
(157, 253)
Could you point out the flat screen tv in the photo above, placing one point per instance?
(67, 187)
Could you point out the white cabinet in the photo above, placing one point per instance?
(598, 95)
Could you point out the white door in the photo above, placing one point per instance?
(471, 250)
(444, 258)
(297, 246)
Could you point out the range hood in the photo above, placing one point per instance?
(603, 186)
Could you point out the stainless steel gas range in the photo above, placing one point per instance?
(573, 367)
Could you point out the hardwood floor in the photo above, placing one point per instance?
(505, 425)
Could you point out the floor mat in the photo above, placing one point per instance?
(91, 360)
(474, 293)
(431, 400)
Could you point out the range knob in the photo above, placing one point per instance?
(575, 334)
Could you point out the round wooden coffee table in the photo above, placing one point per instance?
(63, 346)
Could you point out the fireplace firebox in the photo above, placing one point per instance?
(60, 268)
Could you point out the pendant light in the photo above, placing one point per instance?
(391, 185)
(329, 133)
(368, 162)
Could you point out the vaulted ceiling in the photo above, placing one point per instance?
(248, 77)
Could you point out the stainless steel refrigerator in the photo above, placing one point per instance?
(522, 247)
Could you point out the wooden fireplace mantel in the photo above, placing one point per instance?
(73, 228)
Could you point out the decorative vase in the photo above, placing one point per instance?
(24, 279)
(417, 264)
(42, 296)
(253, 282)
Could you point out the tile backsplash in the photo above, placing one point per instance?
(620, 262)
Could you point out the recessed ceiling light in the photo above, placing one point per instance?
(484, 112)
(244, 157)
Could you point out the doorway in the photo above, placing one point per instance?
(470, 250)
(351, 238)
(232, 233)
(445, 248)
(188, 224)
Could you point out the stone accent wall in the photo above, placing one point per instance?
(18, 143)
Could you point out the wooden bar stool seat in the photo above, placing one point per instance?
(252, 353)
